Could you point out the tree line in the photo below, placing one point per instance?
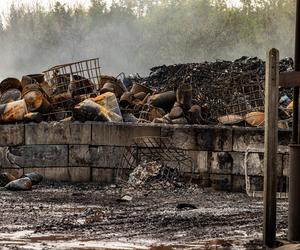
(135, 35)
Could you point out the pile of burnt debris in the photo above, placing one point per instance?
(221, 92)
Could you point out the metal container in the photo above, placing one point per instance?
(195, 115)
(39, 78)
(13, 111)
(256, 119)
(10, 83)
(164, 100)
(35, 99)
(109, 101)
(105, 78)
(114, 87)
(230, 119)
(141, 96)
(294, 197)
(10, 95)
(27, 80)
(184, 95)
(10, 90)
(176, 112)
(92, 111)
(126, 99)
(33, 117)
(137, 88)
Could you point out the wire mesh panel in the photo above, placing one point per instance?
(175, 162)
(236, 94)
(72, 82)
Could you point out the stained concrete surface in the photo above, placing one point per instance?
(88, 216)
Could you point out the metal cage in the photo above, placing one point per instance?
(72, 82)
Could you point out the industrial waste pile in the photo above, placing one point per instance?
(221, 92)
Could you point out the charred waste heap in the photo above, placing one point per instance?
(221, 92)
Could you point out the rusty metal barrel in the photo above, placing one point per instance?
(126, 99)
(13, 111)
(184, 95)
(294, 189)
(164, 100)
(137, 88)
(35, 99)
(39, 78)
(10, 90)
(114, 87)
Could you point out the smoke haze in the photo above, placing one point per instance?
(133, 36)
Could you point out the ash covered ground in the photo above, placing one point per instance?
(88, 216)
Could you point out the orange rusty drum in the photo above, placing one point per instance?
(13, 111)
(230, 119)
(36, 101)
(256, 119)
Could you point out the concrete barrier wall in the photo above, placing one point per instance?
(82, 152)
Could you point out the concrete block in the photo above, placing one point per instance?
(238, 183)
(106, 134)
(12, 135)
(203, 138)
(286, 164)
(31, 170)
(238, 167)
(221, 182)
(103, 175)
(221, 163)
(251, 139)
(256, 183)
(200, 159)
(39, 156)
(57, 174)
(79, 174)
(203, 180)
(181, 137)
(58, 133)
(214, 138)
(254, 163)
(95, 156)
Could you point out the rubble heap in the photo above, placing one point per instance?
(221, 92)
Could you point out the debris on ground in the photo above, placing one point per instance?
(221, 92)
(186, 206)
(22, 184)
(144, 172)
(6, 178)
(125, 198)
(35, 178)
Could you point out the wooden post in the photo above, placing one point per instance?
(271, 141)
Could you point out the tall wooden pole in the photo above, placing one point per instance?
(296, 129)
(294, 171)
(271, 142)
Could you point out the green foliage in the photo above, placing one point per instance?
(135, 35)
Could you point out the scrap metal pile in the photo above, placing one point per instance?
(226, 92)
(221, 92)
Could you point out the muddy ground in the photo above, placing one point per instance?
(64, 216)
